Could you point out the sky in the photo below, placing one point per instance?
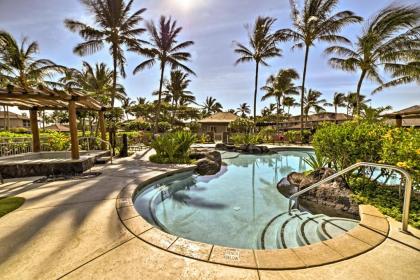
(214, 26)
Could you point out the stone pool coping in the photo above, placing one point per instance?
(371, 232)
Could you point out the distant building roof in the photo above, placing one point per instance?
(12, 116)
(326, 116)
(222, 117)
(58, 127)
(410, 111)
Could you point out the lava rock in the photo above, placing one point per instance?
(210, 164)
(220, 146)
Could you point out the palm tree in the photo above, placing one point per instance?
(262, 47)
(165, 50)
(339, 100)
(289, 102)
(374, 114)
(280, 86)
(316, 22)
(312, 101)
(243, 109)
(211, 106)
(176, 90)
(18, 65)
(390, 38)
(351, 99)
(115, 26)
(127, 103)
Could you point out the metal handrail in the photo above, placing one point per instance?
(407, 192)
(95, 138)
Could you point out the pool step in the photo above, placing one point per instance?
(269, 237)
(296, 229)
(307, 230)
(286, 237)
(333, 227)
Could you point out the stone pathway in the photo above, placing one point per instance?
(70, 229)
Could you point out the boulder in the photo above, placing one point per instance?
(220, 146)
(334, 195)
(210, 164)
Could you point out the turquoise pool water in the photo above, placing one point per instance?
(231, 208)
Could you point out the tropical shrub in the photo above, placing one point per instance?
(350, 142)
(267, 134)
(163, 127)
(293, 136)
(246, 138)
(137, 125)
(387, 200)
(58, 141)
(316, 161)
(241, 125)
(173, 147)
(401, 147)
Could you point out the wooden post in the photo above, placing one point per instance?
(73, 130)
(398, 120)
(36, 144)
(102, 129)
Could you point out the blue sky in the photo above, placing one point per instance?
(213, 25)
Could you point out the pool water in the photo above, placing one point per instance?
(231, 208)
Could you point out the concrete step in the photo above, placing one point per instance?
(287, 232)
(307, 230)
(102, 160)
(331, 227)
(268, 239)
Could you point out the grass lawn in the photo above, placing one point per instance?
(8, 204)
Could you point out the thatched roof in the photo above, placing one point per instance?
(221, 117)
(58, 127)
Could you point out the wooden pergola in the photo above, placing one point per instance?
(47, 99)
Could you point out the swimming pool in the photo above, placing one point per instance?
(238, 207)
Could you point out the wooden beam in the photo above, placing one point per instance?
(102, 129)
(73, 131)
(36, 144)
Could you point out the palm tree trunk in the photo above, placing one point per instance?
(43, 120)
(7, 117)
(359, 86)
(256, 92)
(162, 71)
(278, 115)
(302, 95)
(5, 120)
(335, 109)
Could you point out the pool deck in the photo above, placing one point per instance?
(71, 229)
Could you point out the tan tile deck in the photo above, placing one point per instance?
(71, 229)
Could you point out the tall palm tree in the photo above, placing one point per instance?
(262, 42)
(211, 106)
(280, 86)
(390, 38)
(165, 50)
(289, 102)
(177, 90)
(18, 65)
(115, 26)
(316, 22)
(312, 101)
(243, 109)
(339, 100)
